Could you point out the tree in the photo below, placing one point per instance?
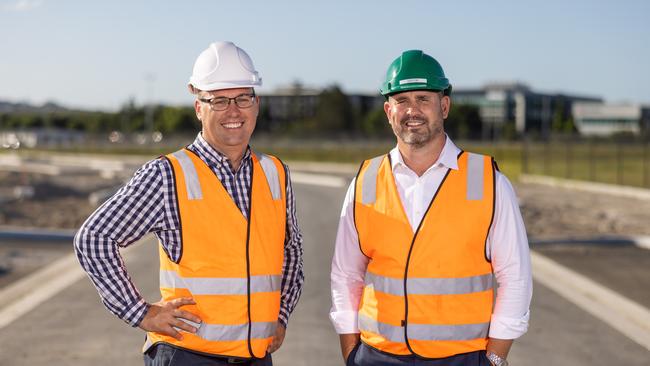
(464, 122)
(562, 123)
(334, 112)
(557, 125)
(175, 119)
(376, 124)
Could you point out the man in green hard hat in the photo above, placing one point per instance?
(424, 232)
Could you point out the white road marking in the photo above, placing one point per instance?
(642, 241)
(621, 313)
(27, 293)
(319, 179)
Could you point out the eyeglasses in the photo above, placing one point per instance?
(222, 103)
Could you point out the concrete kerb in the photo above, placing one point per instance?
(36, 234)
(640, 241)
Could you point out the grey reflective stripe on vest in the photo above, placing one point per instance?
(474, 176)
(220, 286)
(393, 333)
(430, 286)
(239, 332)
(461, 332)
(271, 173)
(369, 187)
(424, 332)
(189, 172)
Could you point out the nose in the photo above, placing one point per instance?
(412, 110)
(233, 109)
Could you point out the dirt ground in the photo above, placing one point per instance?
(551, 212)
(63, 202)
(45, 202)
(59, 202)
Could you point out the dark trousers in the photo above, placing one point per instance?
(166, 355)
(364, 355)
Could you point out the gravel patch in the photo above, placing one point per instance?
(34, 200)
(551, 212)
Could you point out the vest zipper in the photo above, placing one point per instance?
(248, 264)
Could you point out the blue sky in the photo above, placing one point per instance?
(98, 54)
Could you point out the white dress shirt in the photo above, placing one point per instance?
(507, 247)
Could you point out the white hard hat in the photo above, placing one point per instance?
(223, 65)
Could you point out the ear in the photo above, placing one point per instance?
(197, 108)
(258, 105)
(388, 110)
(445, 104)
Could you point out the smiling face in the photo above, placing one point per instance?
(417, 117)
(231, 129)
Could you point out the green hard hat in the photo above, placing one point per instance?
(415, 70)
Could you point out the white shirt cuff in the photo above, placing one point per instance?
(502, 327)
(345, 322)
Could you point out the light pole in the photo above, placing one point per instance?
(148, 113)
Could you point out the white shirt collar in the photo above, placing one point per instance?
(448, 156)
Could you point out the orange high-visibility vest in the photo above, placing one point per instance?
(427, 292)
(231, 266)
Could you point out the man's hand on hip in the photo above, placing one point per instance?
(278, 338)
(163, 316)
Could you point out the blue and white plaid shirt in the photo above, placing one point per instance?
(147, 204)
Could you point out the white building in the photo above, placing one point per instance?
(602, 119)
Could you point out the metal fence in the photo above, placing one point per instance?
(618, 161)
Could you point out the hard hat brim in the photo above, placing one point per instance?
(413, 87)
(224, 85)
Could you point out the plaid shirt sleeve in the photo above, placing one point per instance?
(292, 274)
(135, 210)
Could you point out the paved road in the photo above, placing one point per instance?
(72, 328)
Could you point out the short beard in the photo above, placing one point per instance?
(418, 140)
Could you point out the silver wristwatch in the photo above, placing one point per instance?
(496, 360)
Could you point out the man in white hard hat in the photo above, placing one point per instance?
(229, 243)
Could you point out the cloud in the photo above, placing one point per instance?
(22, 5)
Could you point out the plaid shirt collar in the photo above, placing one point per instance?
(213, 158)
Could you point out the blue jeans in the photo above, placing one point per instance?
(165, 355)
(364, 355)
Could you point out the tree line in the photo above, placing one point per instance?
(334, 115)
